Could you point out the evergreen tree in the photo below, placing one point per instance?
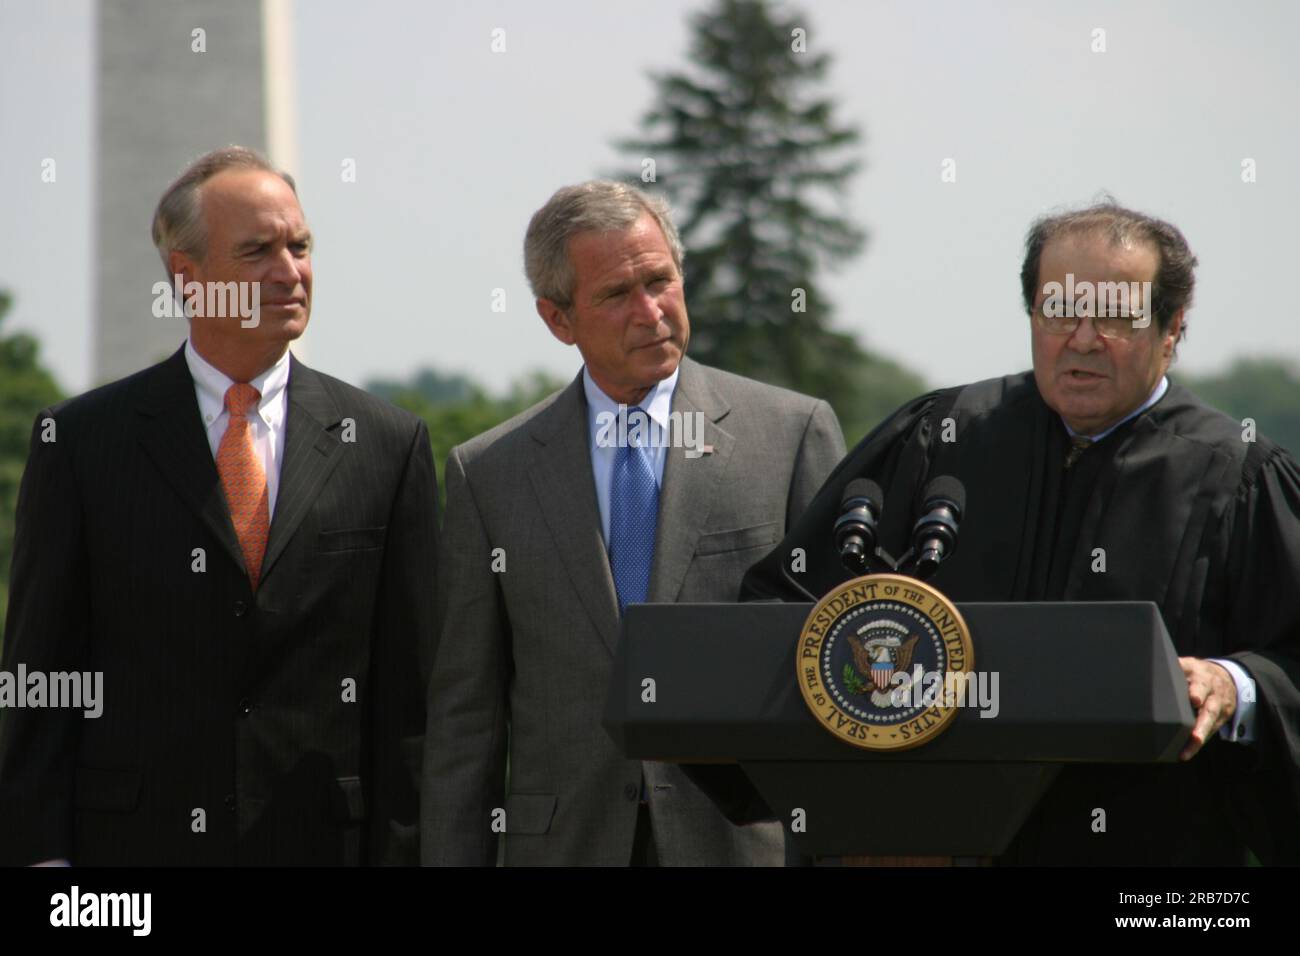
(25, 388)
(750, 155)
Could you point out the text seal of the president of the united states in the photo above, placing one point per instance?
(882, 662)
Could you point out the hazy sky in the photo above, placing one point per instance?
(456, 146)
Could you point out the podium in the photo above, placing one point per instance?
(713, 687)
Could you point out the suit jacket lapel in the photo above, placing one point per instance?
(173, 437)
(690, 483)
(560, 471)
(312, 449)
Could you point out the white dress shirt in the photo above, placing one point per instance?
(1242, 726)
(657, 403)
(267, 425)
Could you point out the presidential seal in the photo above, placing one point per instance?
(883, 661)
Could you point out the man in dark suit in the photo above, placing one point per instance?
(245, 549)
(650, 478)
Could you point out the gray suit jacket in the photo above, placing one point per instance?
(525, 651)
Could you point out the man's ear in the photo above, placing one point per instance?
(180, 263)
(1170, 337)
(557, 320)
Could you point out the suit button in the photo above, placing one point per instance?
(230, 802)
(631, 791)
(240, 609)
(245, 707)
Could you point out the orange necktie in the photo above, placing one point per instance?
(244, 479)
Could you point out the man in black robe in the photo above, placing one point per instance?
(1096, 449)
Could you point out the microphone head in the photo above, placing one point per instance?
(945, 488)
(855, 528)
(863, 488)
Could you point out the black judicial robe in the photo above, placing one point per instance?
(1191, 517)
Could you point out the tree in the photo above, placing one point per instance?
(754, 162)
(1265, 390)
(435, 387)
(455, 415)
(25, 388)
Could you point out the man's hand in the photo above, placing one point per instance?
(1214, 695)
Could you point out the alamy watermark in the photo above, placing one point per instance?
(922, 688)
(637, 429)
(77, 690)
(1101, 300)
(130, 910)
(215, 300)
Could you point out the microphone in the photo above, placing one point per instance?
(934, 537)
(855, 529)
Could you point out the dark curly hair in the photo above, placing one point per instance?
(1175, 276)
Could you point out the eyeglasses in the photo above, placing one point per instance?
(1107, 326)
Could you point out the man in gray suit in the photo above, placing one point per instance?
(650, 478)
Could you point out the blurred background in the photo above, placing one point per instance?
(853, 181)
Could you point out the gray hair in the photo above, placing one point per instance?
(1175, 277)
(597, 206)
(178, 221)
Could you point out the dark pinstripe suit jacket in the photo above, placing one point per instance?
(280, 727)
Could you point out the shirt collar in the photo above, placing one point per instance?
(212, 383)
(1156, 394)
(657, 403)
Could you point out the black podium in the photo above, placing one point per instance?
(1091, 683)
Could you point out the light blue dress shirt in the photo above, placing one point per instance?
(603, 439)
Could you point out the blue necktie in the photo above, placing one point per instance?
(633, 514)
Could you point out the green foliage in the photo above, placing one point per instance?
(452, 421)
(25, 388)
(883, 386)
(1264, 389)
(755, 165)
(852, 682)
(431, 385)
